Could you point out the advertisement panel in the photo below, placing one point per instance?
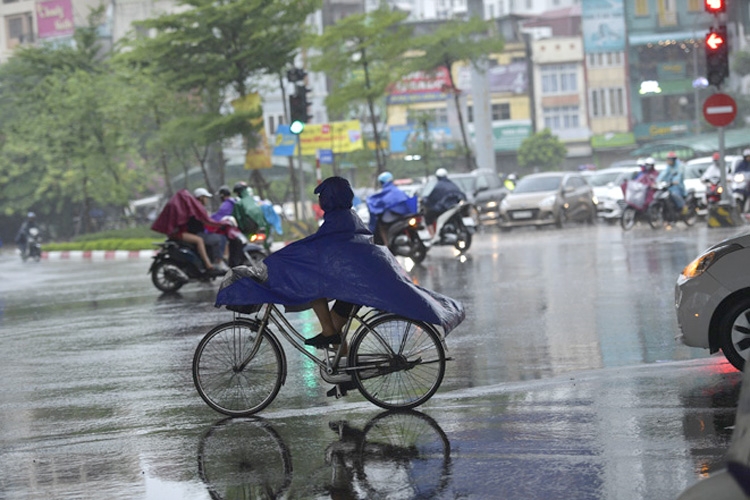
(420, 87)
(338, 137)
(54, 18)
(603, 24)
(258, 156)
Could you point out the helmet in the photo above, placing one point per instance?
(671, 155)
(31, 215)
(224, 191)
(716, 156)
(640, 162)
(240, 187)
(512, 176)
(746, 152)
(385, 177)
(202, 192)
(440, 173)
(649, 161)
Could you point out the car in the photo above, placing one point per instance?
(607, 184)
(712, 300)
(483, 188)
(548, 198)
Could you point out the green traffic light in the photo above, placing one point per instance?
(296, 127)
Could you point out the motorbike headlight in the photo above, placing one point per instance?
(703, 262)
(738, 178)
(547, 203)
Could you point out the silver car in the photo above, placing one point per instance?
(712, 298)
(549, 198)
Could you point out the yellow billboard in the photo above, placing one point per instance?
(260, 155)
(340, 137)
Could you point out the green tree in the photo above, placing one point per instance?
(542, 150)
(65, 145)
(214, 51)
(453, 42)
(363, 55)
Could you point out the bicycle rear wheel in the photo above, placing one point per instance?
(229, 377)
(397, 363)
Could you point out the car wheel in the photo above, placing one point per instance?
(734, 333)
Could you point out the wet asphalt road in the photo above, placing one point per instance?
(567, 383)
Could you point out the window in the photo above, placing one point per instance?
(561, 117)
(437, 116)
(607, 102)
(19, 29)
(641, 7)
(501, 111)
(559, 79)
(605, 59)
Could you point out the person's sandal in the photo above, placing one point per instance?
(321, 341)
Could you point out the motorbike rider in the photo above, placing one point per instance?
(713, 172)
(673, 176)
(22, 236)
(247, 212)
(386, 206)
(185, 218)
(443, 196)
(227, 204)
(743, 188)
(510, 181)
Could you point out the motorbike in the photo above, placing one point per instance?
(740, 190)
(663, 210)
(634, 204)
(177, 262)
(453, 227)
(713, 191)
(33, 247)
(403, 237)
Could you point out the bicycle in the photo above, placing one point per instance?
(395, 362)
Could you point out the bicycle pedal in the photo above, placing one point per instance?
(336, 391)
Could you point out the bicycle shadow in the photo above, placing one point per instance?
(396, 453)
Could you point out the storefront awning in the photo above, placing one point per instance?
(672, 36)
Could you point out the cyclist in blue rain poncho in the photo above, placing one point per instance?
(340, 262)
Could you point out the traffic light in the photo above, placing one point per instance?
(298, 109)
(715, 6)
(717, 55)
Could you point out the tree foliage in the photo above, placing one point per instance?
(363, 55)
(542, 150)
(456, 42)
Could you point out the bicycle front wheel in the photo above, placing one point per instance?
(397, 363)
(229, 376)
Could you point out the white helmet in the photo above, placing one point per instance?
(440, 173)
(746, 152)
(202, 192)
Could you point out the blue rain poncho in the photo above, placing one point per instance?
(340, 262)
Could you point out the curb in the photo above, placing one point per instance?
(98, 254)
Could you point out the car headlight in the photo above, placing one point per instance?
(703, 262)
(547, 203)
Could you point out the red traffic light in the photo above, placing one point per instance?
(715, 6)
(715, 41)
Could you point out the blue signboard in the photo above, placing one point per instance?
(286, 142)
(325, 156)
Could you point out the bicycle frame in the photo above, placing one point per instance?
(273, 315)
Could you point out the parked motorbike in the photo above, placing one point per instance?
(33, 247)
(453, 227)
(663, 210)
(178, 262)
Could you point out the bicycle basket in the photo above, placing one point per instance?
(245, 309)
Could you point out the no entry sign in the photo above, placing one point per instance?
(719, 110)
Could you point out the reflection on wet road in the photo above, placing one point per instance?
(98, 401)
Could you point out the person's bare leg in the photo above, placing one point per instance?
(320, 307)
(338, 323)
(198, 242)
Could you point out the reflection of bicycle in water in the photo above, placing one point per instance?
(244, 458)
(396, 455)
(395, 362)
